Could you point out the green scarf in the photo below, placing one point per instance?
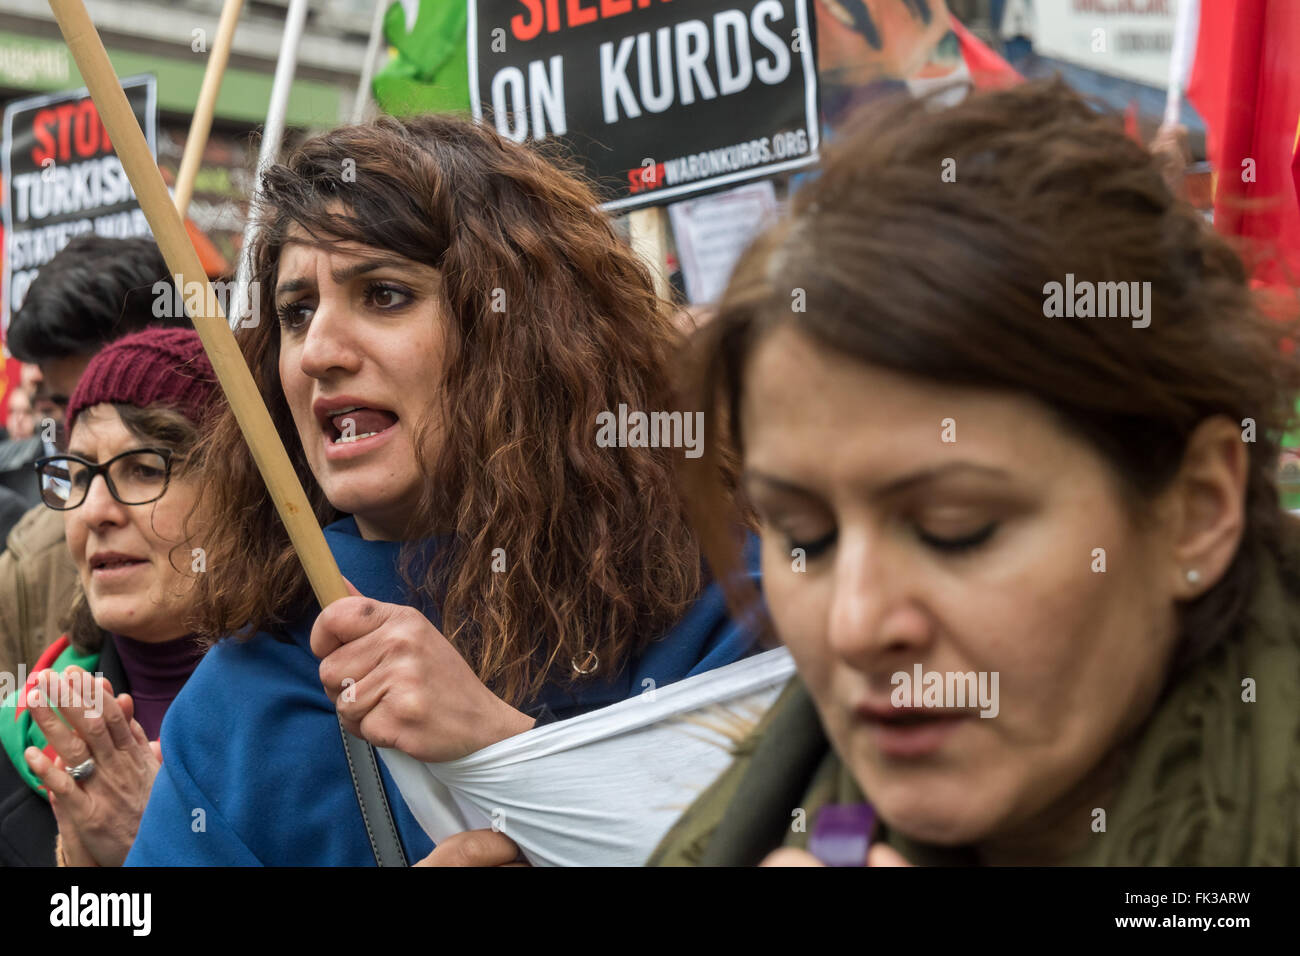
(18, 730)
(1212, 780)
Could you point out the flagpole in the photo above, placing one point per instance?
(272, 133)
(201, 125)
(1179, 58)
(649, 240)
(183, 261)
(368, 69)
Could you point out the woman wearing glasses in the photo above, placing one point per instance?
(125, 488)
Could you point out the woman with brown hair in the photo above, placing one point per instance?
(80, 737)
(1013, 463)
(454, 314)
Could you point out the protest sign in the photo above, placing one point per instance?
(656, 100)
(62, 179)
(712, 232)
(1131, 39)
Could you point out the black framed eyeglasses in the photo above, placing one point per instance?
(135, 477)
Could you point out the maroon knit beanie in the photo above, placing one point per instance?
(163, 366)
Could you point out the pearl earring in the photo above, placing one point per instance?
(1193, 576)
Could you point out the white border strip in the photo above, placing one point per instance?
(471, 32)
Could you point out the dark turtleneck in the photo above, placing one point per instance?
(155, 673)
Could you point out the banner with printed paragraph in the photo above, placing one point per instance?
(62, 179)
(657, 99)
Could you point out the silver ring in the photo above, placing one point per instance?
(82, 771)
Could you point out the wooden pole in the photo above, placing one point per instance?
(197, 141)
(218, 341)
(649, 240)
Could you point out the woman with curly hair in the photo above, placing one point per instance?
(454, 314)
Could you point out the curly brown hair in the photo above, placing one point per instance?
(602, 558)
(945, 281)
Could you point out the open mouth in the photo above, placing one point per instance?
(351, 424)
(913, 719)
(913, 734)
(895, 716)
(113, 562)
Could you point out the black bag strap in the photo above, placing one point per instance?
(375, 811)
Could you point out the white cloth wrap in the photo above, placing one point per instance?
(602, 788)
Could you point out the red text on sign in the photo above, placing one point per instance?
(554, 14)
(61, 130)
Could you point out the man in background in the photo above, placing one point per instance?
(20, 420)
(20, 423)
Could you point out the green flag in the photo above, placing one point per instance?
(429, 68)
(1288, 477)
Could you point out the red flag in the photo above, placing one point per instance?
(987, 69)
(1246, 85)
(1131, 128)
(210, 257)
(10, 370)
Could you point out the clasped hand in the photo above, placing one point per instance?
(397, 682)
(98, 817)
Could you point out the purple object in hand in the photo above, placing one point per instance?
(842, 833)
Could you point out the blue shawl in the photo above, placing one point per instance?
(253, 768)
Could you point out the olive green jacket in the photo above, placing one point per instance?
(1211, 778)
(38, 584)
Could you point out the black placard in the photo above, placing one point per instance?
(62, 179)
(657, 99)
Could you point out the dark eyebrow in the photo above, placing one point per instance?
(293, 285)
(894, 487)
(753, 474)
(345, 274)
(341, 276)
(87, 456)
